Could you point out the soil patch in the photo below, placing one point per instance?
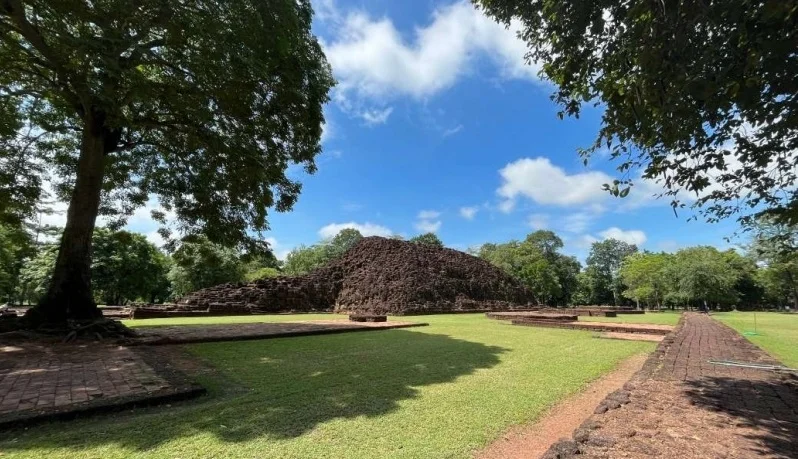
(532, 441)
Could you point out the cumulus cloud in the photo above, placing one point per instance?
(544, 183)
(578, 222)
(375, 116)
(428, 226)
(428, 221)
(366, 229)
(428, 214)
(469, 212)
(373, 59)
(635, 237)
(538, 221)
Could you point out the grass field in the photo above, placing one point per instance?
(236, 319)
(438, 391)
(661, 318)
(776, 333)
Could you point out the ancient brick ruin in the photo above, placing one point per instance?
(377, 276)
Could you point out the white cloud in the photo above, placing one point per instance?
(366, 229)
(371, 58)
(538, 221)
(585, 241)
(635, 237)
(453, 130)
(277, 249)
(428, 214)
(428, 221)
(543, 182)
(374, 117)
(428, 226)
(469, 212)
(507, 206)
(578, 222)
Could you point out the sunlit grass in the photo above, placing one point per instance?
(440, 391)
(232, 319)
(775, 333)
(660, 318)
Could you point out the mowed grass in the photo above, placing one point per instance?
(659, 318)
(233, 319)
(777, 333)
(440, 391)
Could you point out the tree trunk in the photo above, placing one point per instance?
(69, 295)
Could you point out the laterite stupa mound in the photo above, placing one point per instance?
(381, 276)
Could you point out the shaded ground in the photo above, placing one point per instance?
(445, 390)
(680, 405)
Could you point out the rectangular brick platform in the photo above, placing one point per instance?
(184, 334)
(50, 381)
(510, 315)
(650, 329)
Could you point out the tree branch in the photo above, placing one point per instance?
(16, 11)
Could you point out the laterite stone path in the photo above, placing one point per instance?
(680, 405)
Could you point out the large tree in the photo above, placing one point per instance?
(428, 239)
(538, 264)
(604, 265)
(775, 245)
(698, 95)
(304, 259)
(199, 263)
(202, 104)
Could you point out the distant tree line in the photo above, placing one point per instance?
(127, 267)
(617, 273)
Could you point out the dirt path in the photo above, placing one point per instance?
(681, 405)
(532, 440)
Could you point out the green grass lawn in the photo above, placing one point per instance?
(660, 318)
(440, 391)
(776, 333)
(236, 319)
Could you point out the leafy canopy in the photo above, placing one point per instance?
(203, 104)
(125, 267)
(538, 264)
(304, 259)
(427, 238)
(698, 95)
(198, 263)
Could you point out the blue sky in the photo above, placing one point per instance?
(438, 124)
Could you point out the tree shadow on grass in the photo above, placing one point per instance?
(294, 384)
(769, 406)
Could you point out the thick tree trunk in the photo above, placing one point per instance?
(69, 295)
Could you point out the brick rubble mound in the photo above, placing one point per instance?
(378, 276)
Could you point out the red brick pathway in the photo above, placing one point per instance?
(39, 379)
(682, 406)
